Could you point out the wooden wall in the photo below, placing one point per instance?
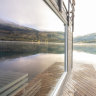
(70, 50)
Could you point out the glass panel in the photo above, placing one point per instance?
(31, 48)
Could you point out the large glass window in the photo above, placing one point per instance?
(31, 48)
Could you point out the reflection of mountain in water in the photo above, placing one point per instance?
(14, 32)
(15, 49)
(86, 48)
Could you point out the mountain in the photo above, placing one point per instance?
(7, 25)
(90, 38)
(10, 31)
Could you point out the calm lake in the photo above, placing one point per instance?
(34, 58)
(27, 57)
(85, 54)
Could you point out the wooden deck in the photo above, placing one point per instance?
(10, 82)
(49, 78)
(82, 81)
(44, 83)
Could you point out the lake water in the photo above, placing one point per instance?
(85, 54)
(34, 58)
(31, 58)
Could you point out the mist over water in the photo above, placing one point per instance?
(85, 54)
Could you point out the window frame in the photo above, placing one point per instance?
(57, 90)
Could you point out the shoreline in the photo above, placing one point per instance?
(84, 44)
(35, 42)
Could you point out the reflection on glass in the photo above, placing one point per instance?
(31, 48)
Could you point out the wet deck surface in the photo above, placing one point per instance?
(82, 81)
(11, 81)
(49, 79)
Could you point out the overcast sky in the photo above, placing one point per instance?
(85, 17)
(33, 13)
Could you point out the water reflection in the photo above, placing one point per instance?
(17, 49)
(35, 59)
(86, 48)
(85, 54)
(32, 42)
(31, 58)
(33, 64)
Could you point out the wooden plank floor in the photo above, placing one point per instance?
(44, 83)
(11, 81)
(49, 78)
(82, 81)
